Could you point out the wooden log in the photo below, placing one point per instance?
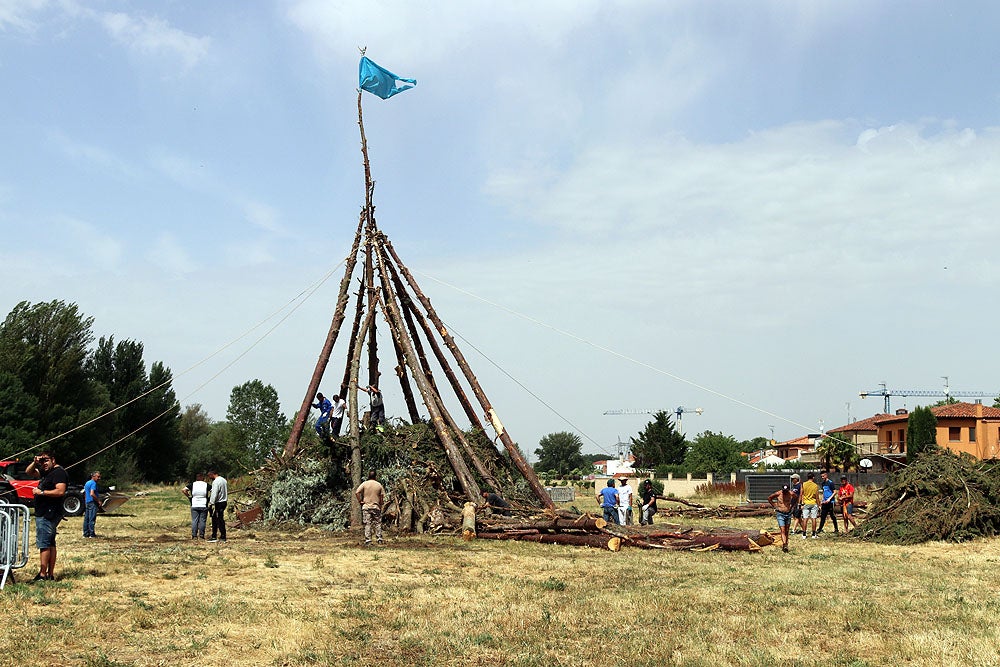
(556, 524)
(469, 522)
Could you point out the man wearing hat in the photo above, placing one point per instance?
(781, 501)
(796, 488)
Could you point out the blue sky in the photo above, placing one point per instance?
(759, 209)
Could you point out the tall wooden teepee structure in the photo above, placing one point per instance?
(418, 334)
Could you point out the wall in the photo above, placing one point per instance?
(680, 487)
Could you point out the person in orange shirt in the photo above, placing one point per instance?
(845, 494)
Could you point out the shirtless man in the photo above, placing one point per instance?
(782, 502)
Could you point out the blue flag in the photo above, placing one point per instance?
(380, 81)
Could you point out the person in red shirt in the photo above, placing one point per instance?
(845, 494)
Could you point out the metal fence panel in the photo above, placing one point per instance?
(15, 523)
(759, 487)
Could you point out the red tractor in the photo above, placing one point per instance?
(16, 487)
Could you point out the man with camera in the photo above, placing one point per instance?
(48, 509)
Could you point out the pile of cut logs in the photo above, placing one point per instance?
(561, 527)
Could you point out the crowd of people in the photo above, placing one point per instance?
(800, 505)
(616, 503)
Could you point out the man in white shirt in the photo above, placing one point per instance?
(337, 415)
(624, 503)
(197, 492)
(217, 501)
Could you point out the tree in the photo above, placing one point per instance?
(715, 452)
(921, 432)
(216, 450)
(18, 410)
(256, 420)
(45, 346)
(838, 450)
(560, 452)
(162, 454)
(659, 443)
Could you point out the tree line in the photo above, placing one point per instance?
(659, 446)
(54, 377)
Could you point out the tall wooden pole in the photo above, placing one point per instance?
(515, 454)
(331, 338)
(373, 374)
(352, 415)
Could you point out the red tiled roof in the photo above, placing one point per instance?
(953, 410)
(870, 424)
(804, 440)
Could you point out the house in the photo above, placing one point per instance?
(800, 449)
(862, 434)
(972, 428)
(616, 466)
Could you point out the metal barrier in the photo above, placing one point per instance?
(759, 487)
(15, 526)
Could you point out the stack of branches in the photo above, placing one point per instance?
(940, 496)
(560, 527)
(312, 485)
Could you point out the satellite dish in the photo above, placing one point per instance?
(865, 463)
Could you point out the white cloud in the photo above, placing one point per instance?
(153, 36)
(167, 253)
(85, 245)
(18, 14)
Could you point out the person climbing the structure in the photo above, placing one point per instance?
(324, 406)
(378, 407)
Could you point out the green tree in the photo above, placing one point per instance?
(659, 443)
(162, 454)
(45, 346)
(216, 450)
(921, 432)
(194, 423)
(256, 420)
(715, 452)
(560, 452)
(18, 410)
(838, 450)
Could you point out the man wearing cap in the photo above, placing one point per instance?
(781, 501)
(608, 498)
(624, 502)
(845, 494)
(796, 488)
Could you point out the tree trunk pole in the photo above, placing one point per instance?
(462, 472)
(442, 360)
(404, 384)
(355, 326)
(515, 454)
(331, 338)
(373, 374)
(352, 415)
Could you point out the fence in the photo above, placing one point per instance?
(14, 530)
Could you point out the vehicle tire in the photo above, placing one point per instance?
(72, 505)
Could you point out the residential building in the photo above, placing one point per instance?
(972, 428)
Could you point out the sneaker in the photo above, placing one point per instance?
(815, 536)
(213, 540)
(40, 577)
(804, 536)
(785, 548)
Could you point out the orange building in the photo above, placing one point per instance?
(972, 428)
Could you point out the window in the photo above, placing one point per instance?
(902, 436)
(972, 434)
(954, 433)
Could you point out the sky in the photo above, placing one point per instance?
(756, 209)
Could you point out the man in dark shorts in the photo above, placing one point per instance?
(48, 510)
(647, 510)
(796, 488)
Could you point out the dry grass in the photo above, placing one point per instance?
(143, 594)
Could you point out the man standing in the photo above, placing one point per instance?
(810, 504)
(197, 493)
(829, 499)
(322, 424)
(845, 494)
(48, 496)
(93, 502)
(608, 498)
(781, 501)
(337, 419)
(624, 503)
(371, 496)
(648, 508)
(378, 407)
(796, 489)
(217, 501)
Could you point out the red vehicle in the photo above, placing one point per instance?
(16, 486)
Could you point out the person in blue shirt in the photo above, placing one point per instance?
(608, 498)
(93, 502)
(829, 490)
(324, 406)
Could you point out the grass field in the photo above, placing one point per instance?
(145, 594)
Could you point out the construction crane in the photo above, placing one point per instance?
(945, 393)
(679, 412)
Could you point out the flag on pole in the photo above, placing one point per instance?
(380, 81)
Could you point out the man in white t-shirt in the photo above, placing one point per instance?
(197, 492)
(337, 415)
(624, 503)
